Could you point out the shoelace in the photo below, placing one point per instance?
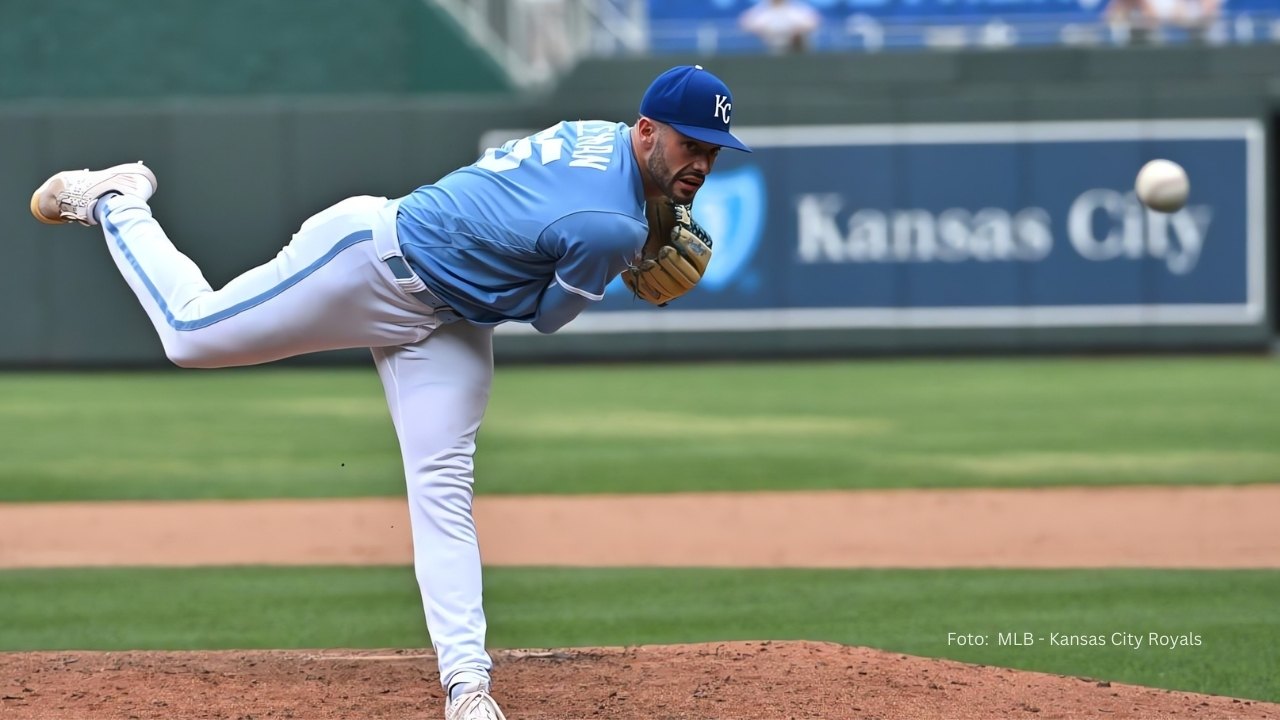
(73, 196)
(476, 706)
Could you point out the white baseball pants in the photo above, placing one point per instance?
(332, 288)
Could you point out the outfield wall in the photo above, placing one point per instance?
(971, 202)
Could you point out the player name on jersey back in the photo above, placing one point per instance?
(594, 148)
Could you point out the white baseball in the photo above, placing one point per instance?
(1162, 185)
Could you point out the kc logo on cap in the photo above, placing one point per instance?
(723, 106)
(681, 96)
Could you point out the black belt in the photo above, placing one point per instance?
(402, 271)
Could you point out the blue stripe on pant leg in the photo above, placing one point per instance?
(203, 322)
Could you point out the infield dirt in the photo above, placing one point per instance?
(768, 681)
(1154, 527)
(1169, 527)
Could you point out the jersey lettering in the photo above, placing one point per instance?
(594, 151)
(550, 149)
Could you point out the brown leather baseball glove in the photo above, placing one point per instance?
(674, 256)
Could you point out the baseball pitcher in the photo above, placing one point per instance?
(531, 232)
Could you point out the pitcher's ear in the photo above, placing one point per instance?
(647, 128)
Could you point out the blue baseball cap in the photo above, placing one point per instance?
(695, 102)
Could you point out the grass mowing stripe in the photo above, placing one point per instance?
(910, 611)
(301, 432)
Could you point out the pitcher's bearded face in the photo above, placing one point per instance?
(679, 164)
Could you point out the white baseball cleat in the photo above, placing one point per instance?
(71, 195)
(474, 705)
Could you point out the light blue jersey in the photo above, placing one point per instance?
(532, 231)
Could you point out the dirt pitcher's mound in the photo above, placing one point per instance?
(763, 680)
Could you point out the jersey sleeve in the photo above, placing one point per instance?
(590, 250)
(556, 307)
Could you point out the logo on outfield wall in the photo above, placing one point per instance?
(731, 207)
(1102, 224)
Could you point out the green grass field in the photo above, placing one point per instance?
(907, 611)
(868, 424)
(873, 424)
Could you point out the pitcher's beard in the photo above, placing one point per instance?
(666, 180)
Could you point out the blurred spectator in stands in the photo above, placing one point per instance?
(784, 25)
(1141, 20)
